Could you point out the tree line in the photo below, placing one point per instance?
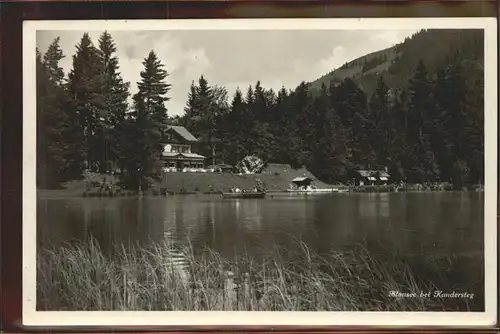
(431, 130)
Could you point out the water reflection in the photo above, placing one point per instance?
(417, 224)
(400, 220)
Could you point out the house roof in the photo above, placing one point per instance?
(182, 131)
(302, 179)
(367, 173)
(193, 155)
(169, 154)
(186, 155)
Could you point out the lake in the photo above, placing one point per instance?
(412, 226)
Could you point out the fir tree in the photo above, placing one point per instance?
(380, 128)
(115, 92)
(53, 125)
(84, 87)
(191, 110)
(147, 124)
(423, 166)
(51, 61)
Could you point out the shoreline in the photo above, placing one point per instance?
(96, 185)
(65, 193)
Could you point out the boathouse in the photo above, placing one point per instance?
(302, 182)
(177, 152)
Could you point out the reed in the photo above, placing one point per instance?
(81, 277)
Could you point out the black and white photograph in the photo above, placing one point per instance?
(321, 170)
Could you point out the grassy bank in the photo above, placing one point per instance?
(99, 185)
(81, 277)
(216, 182)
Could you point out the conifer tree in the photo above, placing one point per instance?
(51, 61)
(330, 152)
(231, 133)
(146, 127)
(53, 125)
(380, 127)
(191, 110)
(115, 92)
(399, 149)
(350, 105)
(423, 166)
(84, 88)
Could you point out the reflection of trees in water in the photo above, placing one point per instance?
(420, 224)
(60, 221)
(234, 227)
(367, 206)
(335, 221)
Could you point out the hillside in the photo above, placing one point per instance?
(396, 64)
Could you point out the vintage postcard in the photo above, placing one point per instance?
(260, 172)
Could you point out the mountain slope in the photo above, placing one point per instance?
(396, 64)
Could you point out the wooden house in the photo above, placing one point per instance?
(177, 152)
(302, 182)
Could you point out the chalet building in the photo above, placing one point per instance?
(302, 183)
(373, 177)
(177, 154)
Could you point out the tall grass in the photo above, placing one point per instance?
(81, 277)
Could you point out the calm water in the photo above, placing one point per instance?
(417, 225)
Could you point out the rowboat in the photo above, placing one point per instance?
(253, 194)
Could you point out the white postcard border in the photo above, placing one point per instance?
(31, 317)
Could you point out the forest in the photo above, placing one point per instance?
(429, 130)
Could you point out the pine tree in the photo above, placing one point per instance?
(84, 88)
(282, 125)
(380, 131)
(350, 105)
(330, 152)
(474, 129)
(423, 166)
(115, 93)
(191, 109)
(53, 125)
(231, 131)
(453, 129)
(303, 118)
(51, 61)
(399, 149)
(441, 138)
(146, 127)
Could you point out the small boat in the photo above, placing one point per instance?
(252, 194)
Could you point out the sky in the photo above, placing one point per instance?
(232, 58)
